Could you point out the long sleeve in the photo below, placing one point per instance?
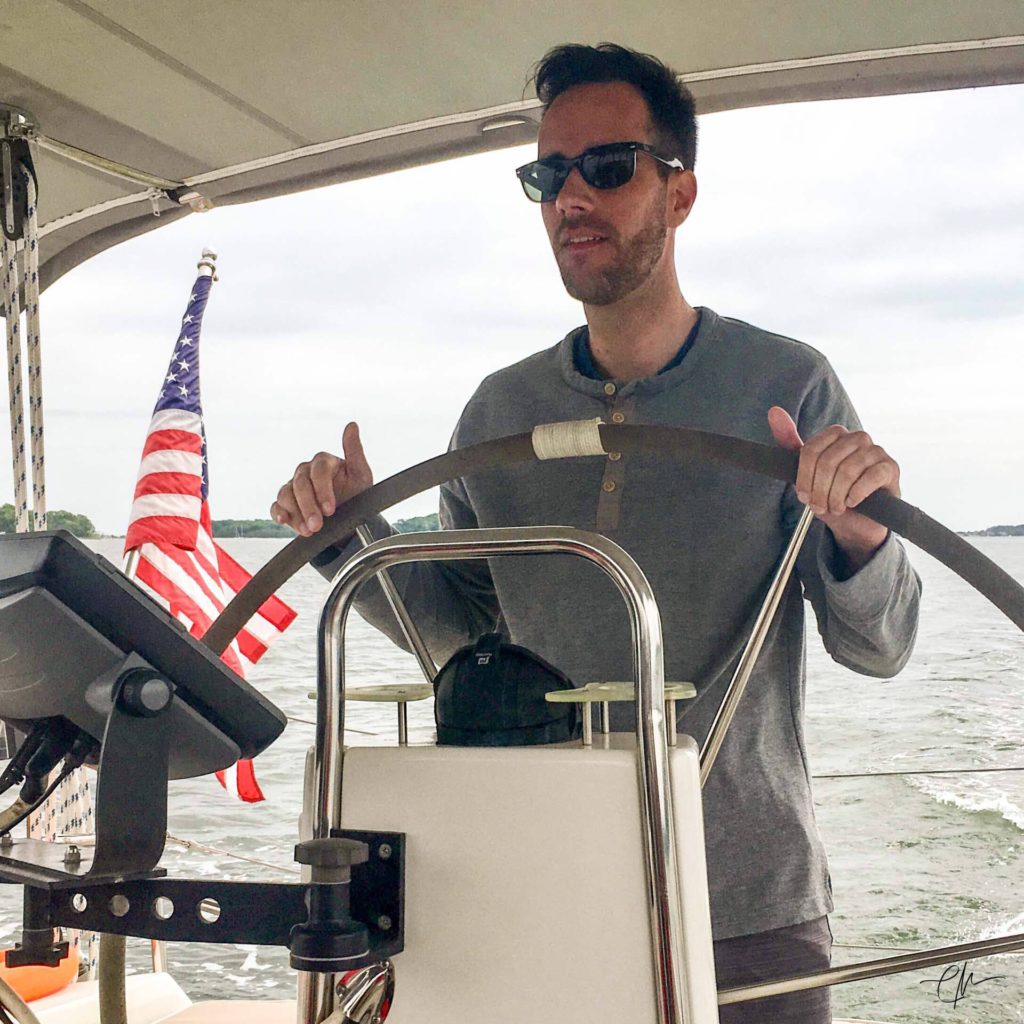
(868, 620)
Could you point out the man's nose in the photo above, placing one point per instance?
(575, 195)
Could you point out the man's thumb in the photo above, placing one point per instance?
(353, 448)
(784, 429)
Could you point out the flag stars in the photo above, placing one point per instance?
(184, 391)
(187, 318)
(172, 378)
(184, 341)
(182, 364)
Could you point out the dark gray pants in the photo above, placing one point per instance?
(797, 949)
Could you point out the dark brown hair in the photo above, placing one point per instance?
(671, 106)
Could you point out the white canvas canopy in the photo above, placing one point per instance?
(231, 101)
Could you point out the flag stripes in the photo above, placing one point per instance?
(171, 528)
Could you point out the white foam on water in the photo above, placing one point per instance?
(1011, 926)
(975, 796)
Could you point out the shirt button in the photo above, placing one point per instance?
(617, 417)
(609, 388)
(608, 486)
(615, 456)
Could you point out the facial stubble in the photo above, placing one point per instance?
(638, 258)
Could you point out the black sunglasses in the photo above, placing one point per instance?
(607, 166)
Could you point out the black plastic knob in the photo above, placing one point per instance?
(333, 852)
(145, 693)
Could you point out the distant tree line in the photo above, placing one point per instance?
(998, 531)
(250, 528)
(79, 525)
(268, 528)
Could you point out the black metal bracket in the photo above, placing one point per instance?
(15, 156)
(189, 910)
(131, 805)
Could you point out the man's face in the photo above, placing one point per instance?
(607, 242)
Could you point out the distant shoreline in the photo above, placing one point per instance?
(262, 528)
(268, 528)
(995, 531)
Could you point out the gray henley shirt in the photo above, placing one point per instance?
(708, 538)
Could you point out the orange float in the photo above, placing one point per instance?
(35, 982)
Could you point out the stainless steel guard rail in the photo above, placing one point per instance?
(664, 903)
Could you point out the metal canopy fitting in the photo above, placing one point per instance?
(17, 128)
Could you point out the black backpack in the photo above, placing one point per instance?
(491, 694)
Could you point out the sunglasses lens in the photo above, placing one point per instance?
(540, 181)
(608, 169)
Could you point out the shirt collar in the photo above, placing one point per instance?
(583, 358)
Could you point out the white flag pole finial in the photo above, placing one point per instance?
(207, 265)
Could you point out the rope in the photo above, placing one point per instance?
(35, 364)
(69, 810)
(12, 319)
(567, 440)
(34, 370)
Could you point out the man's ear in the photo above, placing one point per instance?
(680, 197)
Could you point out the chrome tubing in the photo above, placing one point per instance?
(673, 1000)
(874, 969)
(738, 683)
(409, 630)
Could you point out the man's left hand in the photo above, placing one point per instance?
(838, 469)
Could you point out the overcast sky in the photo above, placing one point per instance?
(888, 233)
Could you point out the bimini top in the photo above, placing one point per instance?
(212, 103)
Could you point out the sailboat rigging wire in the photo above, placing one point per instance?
(191, 844)
(409, 630)
(916, 771)
(737, 685)
(348, 728)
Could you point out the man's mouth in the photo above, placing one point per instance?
(582, 241)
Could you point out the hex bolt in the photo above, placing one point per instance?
(6, 841)
(72, 855)
(384, 851)
(384, 923)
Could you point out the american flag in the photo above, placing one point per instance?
(178, 562)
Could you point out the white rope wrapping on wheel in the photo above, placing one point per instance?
(12, 321)
(35, 359)
(566, 440)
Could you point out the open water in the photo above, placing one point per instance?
(917, 860)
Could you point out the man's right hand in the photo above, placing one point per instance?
(317, 487)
